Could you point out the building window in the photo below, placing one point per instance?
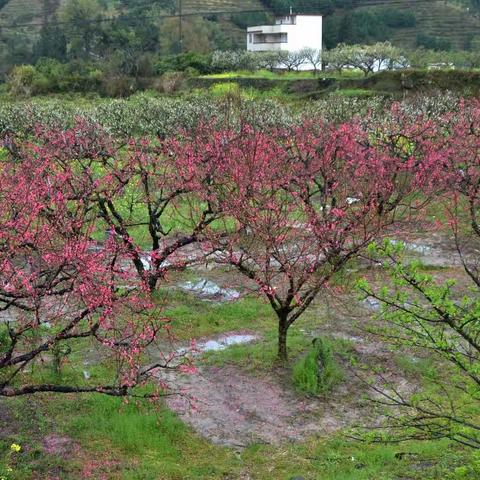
(271, 37)
(250, 36)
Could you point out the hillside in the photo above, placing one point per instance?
(448, 20)
(34, 12)
(436, 18)
(232, 27)
(438, 24)
(16, 11)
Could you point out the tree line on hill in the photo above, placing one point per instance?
(131, 39)
(366, 58)
(167, 73)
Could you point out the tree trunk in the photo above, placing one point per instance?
(152, 283)
(282, 338)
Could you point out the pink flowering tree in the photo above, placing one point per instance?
(59, 291)
(145, 197)
(299, 205)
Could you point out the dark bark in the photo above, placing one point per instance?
(282, 337)
(114, 391)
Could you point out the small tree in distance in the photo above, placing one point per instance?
(291, 60)
(314, 57)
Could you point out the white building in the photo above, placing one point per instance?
(291, 33)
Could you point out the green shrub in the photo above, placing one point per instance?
(317, 372)
(247, 19)
(433, 43)
(119, 86)
(226, 90)
(26, 80)
(4, 339)
(170, 82)
(184, 61)
(396, 18)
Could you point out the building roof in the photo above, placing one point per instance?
(300, 15)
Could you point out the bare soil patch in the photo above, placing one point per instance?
(8, 424)
(233, 407)
(54, 444)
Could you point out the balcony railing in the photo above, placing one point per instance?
(289, 20)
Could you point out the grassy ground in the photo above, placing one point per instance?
(268, 75)
(140, 440)
(192, 317)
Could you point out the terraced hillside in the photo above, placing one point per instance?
(442, 19)
(230, 28)
(194, 6)
(21, 11)
(13, 12)
(442, 23)
(439, 18)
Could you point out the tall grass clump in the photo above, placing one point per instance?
(226, 89)
(317, 373)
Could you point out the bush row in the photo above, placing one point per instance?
(148, 115)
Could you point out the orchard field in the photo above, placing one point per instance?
(239, 284)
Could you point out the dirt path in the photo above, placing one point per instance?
(232, 407)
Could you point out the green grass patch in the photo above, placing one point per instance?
(225, 89)
(261, 355)
(151, 443)
(355, 92)
(285, 75)
(194, 318)
(317, 372)
(263, 74)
